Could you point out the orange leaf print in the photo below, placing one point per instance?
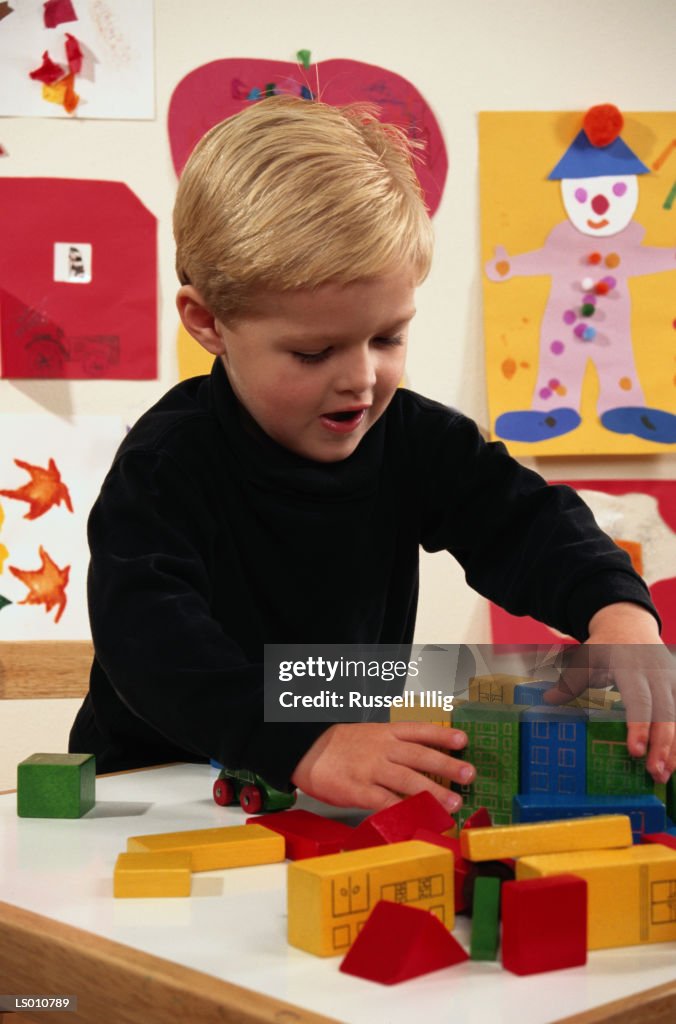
(43, 490)
(46, 585)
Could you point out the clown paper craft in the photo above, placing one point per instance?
(580, 356)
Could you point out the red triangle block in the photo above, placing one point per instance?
(478, 819)
(398, 823)
(663, 838)
(398, 942)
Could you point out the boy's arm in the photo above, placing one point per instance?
(535, 549)
(172, 664)
(624, 648)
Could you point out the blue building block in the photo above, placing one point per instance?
(646, 813)
(553, 750)
(531, 693)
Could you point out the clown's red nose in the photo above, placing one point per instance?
(600, 204)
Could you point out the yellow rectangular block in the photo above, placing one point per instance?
(631, 893)
(600, 700)
(211, 848)
(436, 716)
(152, 874)
(520, 840)
(329, 898)
(497, 688)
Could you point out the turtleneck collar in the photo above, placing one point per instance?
(270, 466)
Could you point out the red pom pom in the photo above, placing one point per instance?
(603, 124)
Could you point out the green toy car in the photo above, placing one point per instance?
(254, 793)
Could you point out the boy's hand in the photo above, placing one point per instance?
(372, 764)
(624, 648)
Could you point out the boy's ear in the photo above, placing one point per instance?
(198, 320)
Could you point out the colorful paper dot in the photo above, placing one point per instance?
(545, 393)
(579, 331)
(619, 188)
(581, 195)
(588, 309)
(613, 260)
(554, 383)
(601, 288)
(594, 257)
(590, 297)
(587, 283)
(561, 390)
(569, 317)
(610, 281)
(589, 334)
(557, 347)
(625, 383)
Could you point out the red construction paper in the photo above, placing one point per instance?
(511, 630)
(103, 329)
(73, 54)
(58, 11)
(48, 72)
(217, 90)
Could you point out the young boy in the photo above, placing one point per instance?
(283, 498)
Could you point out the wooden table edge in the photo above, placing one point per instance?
(117, 984)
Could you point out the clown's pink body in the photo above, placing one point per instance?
(563, 353)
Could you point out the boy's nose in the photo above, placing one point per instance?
(600, 204)
(358, 374)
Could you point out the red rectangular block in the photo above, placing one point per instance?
(306, 834)
(663, 838)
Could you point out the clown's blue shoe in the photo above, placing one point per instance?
(650, 424)
(533, 425)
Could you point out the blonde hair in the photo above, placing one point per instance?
(293, 193)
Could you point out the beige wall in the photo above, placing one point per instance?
(464, 57)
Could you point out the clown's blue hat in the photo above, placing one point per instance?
(598, 150)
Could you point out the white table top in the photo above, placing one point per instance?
(233, 926)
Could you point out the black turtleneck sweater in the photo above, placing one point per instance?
(209, 539)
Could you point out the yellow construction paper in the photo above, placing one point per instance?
(519, 208)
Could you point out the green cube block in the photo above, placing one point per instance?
(56, 785)
(611, 770)
(493, 748)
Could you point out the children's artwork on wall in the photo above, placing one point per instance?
(640, 516)
(77, 58)
(51, 470)
(78, 281)
(222, 88)
(579, 280)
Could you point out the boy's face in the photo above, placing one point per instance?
(317, 368)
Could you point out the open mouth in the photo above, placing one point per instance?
(343, 420)
(596, 224)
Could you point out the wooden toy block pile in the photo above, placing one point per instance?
(566, 878)
(536, 761)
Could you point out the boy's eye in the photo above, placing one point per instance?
(312, 357)
(319, 357)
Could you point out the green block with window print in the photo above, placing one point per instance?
(610, 768)
(493, 748)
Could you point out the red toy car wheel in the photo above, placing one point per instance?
(251, 799)
(224, 792)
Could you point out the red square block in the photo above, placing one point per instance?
(306, 834)
(544, 924)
